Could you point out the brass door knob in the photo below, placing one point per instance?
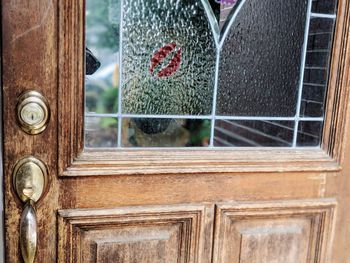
(30, 179)
(33, 112)
(29, 182)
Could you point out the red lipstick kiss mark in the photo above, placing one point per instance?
(160, 56)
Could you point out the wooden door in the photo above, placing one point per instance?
(201, 204)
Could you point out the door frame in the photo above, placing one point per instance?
(2, 204)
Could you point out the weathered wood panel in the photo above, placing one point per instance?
(135, 234)
(286, 232)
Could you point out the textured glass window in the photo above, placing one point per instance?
(261, 59)
(207, 73)
(168, 58)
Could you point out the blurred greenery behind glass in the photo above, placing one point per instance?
(101, 88)
(102, 38)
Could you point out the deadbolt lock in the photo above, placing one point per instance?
(33, 112)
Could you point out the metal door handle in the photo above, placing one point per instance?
(28, 232)
(29, 181)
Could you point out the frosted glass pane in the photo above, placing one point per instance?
(102, 42)
(261, 59)
(253, 133)
(146, 132)
(168, 58)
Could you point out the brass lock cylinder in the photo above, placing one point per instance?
(33, 112)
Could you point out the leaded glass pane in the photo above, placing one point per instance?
(168, 58)
(261, 59)
(102, 55)
(253, 133)
(158, 132)
(207, 73)
(318, 55)
(324, 6)
(101, 132)
(309, 133)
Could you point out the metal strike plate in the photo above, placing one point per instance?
(33, 112)
(30, 179)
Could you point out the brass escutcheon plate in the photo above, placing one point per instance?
(33, 112)
(30, 179)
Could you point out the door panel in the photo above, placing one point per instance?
(149, 234)
(286, 232)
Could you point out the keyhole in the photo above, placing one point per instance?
(32, 116)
